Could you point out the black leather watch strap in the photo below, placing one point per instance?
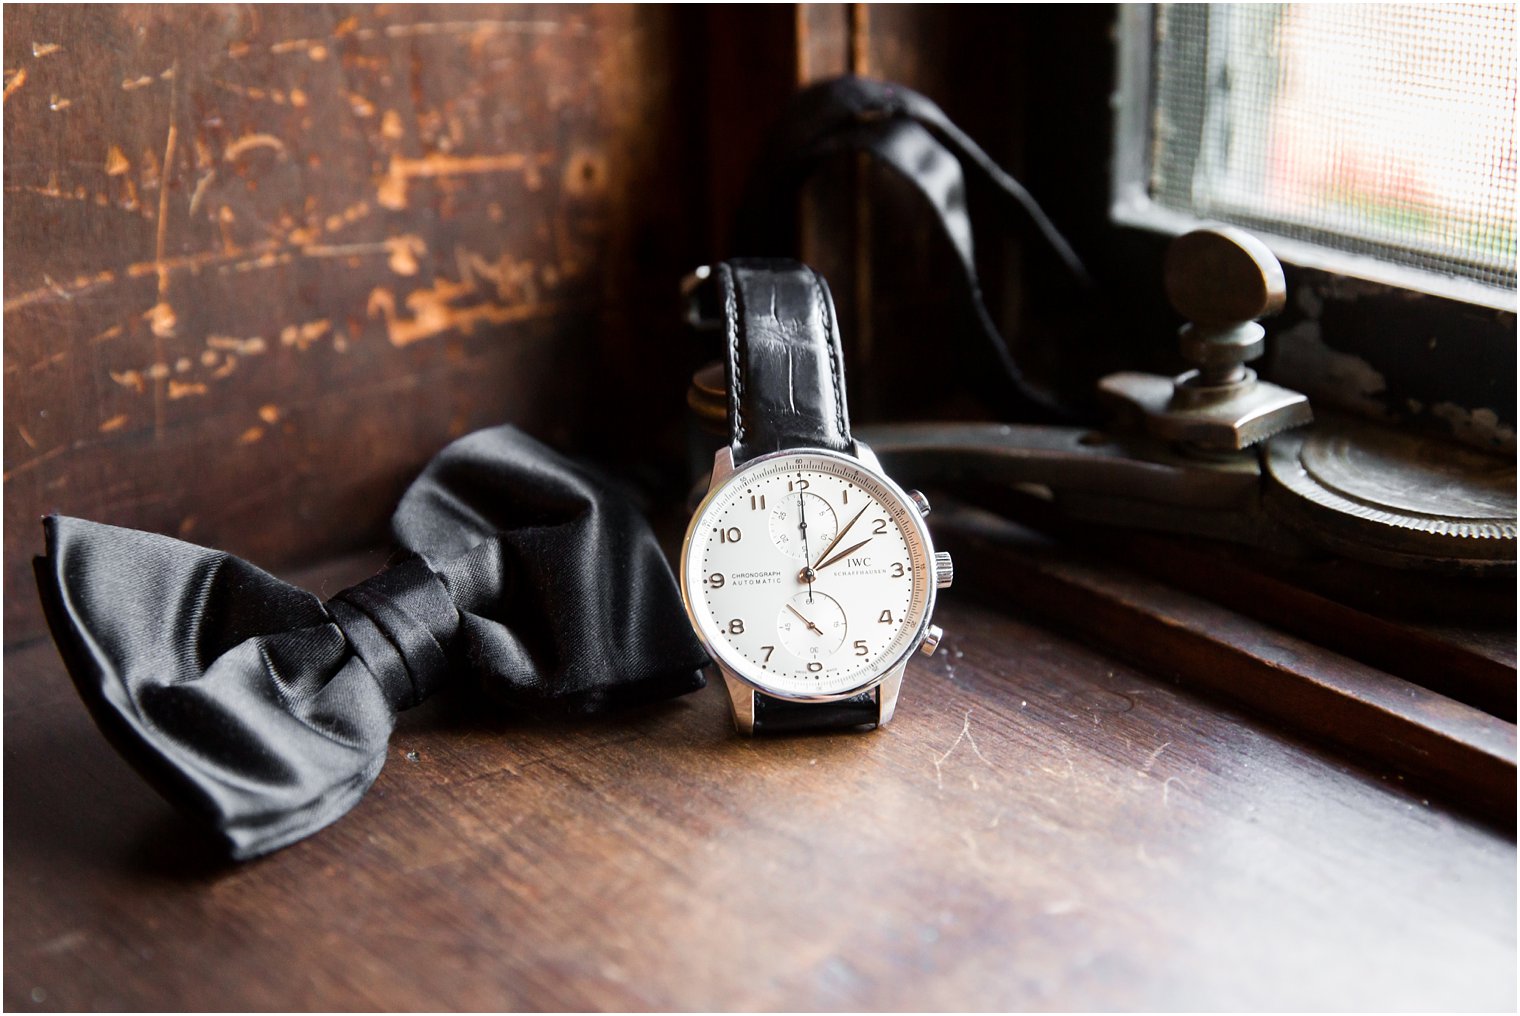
(913, 138)
(783, 716)
(786, 390)
(783, 359)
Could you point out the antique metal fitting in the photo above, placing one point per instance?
(1222, 280)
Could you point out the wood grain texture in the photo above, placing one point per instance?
(1404, 726)
(1042, 826)
(262, 262)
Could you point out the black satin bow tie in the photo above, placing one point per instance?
(267, 712)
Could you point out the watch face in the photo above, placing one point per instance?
(808, 574)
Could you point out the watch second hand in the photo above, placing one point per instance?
(807, 569)
(804, 620)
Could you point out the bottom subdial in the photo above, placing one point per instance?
(812, 625)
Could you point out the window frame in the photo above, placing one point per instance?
(1131, 203)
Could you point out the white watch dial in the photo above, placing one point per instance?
(807, 574)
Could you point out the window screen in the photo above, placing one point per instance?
(1381, 130)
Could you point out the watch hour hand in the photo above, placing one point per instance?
(839, 536)
(843, 554)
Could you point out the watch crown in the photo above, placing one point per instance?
(917, 497)
(931, 640)
(944, 570)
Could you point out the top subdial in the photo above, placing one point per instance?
(787, 521)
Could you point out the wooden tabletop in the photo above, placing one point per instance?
(1040, 827)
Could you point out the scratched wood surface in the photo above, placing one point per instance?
(262, 262)
(1042, 826)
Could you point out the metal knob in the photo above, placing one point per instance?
(1222, 281)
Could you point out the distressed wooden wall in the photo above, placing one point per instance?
(262, 262)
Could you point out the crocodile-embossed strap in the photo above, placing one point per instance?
(783, 359)
(783, 716)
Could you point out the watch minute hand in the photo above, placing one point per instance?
(839, 536)
(843, 554)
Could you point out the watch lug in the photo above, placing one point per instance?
(723, 466)
(886, 693)
(741, 697)
(867, 457)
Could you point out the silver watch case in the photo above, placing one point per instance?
(741, 691)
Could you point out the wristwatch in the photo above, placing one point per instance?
(808, 575)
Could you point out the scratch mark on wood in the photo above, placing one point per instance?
(52, 191)
(304, 335)
(260, 262)
(133, 84)
(392, 191)
(314, 48)
(404, 251)
(49, 361)
(180, 389)
(250, 435)
(161, 319)
(246, 347)
(251, 141)
(254, 93)
(458, 28)
(14, 84)
(26, 436)
(42, 49)
(58, 103)
(200, 190)
(269, 413)
(348, 216)
(51, 453)
(116, 162)
(1150, 761)
(114, 423)
(129, 379)
(161, 316)
(361, 106)
(964, 735)
(433, 312)
(54, 289)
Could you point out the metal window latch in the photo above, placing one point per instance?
(1217, 452)
(1222, 281)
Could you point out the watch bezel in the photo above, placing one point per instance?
(910, 511)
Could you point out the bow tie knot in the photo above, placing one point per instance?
(401, 623)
